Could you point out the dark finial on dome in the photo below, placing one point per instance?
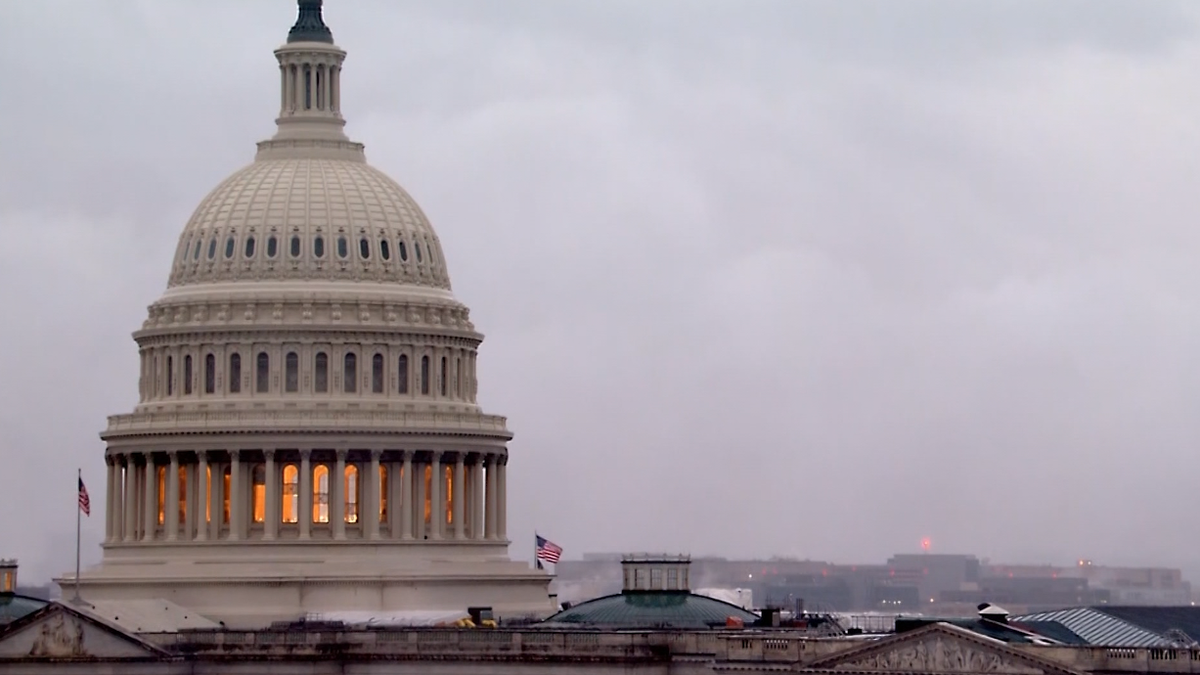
(310, 27)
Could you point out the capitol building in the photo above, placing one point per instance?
(307, 437)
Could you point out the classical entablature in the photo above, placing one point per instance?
(940, 648)
(60, 633)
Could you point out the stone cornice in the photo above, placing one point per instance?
(308, 420)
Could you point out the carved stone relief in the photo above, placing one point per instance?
(940, 655)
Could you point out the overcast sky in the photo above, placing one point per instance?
(813, 279)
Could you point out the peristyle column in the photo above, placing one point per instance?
(171, 507)
(437, 507)
(271, 521)
(306, 493)
(406, 497)
(202, 498)
(459, 496)
(235, 495)
(337, 484)
(371, 512)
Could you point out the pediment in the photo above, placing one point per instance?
(940, 648)
(60, 632)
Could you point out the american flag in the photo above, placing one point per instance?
(85, 504)
(548, 550)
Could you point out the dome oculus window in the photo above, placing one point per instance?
(272, 246)
(196, 252)
(229, 245)
(319, 247)
(295, 246)
(343, 249)
(417, 250)
(403, 250)
(385, 251)
(212, 248)
(364, 248)
(250, 246)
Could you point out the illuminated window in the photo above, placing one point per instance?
(377, 374)
(162, 494)
(402, 374)
(350, 373)
(259, 493)
(7, 585)
(263, 375)
(426, 477)
(292, 372)
(449, 492)
(383, 493)
(290, 506)
(182, 478)
(208, 495)
(350, 490)
(321, 374)
(425, 375)
(227, 480)
(187, 374)
(235, 373)
(210, 374)
(320, 512)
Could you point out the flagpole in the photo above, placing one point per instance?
(78, 527)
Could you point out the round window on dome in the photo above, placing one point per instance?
(385, 251)
(403, 250)
(212, 248)
(364, 248)
(343, 248)
(250, 246)
(319, 247)
(229, 244)
(272, 246)
(417, 250)
(295, 247)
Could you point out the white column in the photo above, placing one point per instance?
(421, 530)
(129, 499)
(502, 499)
(490, 515)
(306, 493)
(202, 496)
(270, 520)
(459, 495)
(479, 523)
(437, 506)
(151, 499)
(236, 495)
(110, 490)
(218, 499)
(171, 504)
(373, 501)
(337, 491)
(406, 497)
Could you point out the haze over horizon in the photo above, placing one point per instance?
(803, 279)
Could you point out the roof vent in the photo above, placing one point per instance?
(993, 612)
(648, 572)
(8, 577)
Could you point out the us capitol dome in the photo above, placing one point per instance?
(307, 438)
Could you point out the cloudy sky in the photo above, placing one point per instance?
(814, 279)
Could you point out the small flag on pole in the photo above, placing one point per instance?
(85, 504)
(547, 550)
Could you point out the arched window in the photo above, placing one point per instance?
(250, 246)
(425, 375)
(350, 373)
(263, 376)
(383, 493)
(259, 493)
(343, 249)
(272, 246)
(385, 251)
(295, 246)
(161, 479)
(290, 506)
(187, 375)
(226, 482)
(292, 372)
(320, 512)
(444, 378)
(235, 373)
(364, 248)
(403, 251)
(210, 374)
(319, 247)
(170, 376)
(321, 373)
(377, 374)
(181, 477)
(402, 375)
(350, 490)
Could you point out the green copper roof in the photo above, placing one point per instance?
(13, 607)
(651, 609)
(310, 27)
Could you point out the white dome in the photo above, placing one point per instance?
(309, 218)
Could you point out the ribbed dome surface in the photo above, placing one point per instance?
(309, 218)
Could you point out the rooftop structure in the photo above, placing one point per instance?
(307, 436)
